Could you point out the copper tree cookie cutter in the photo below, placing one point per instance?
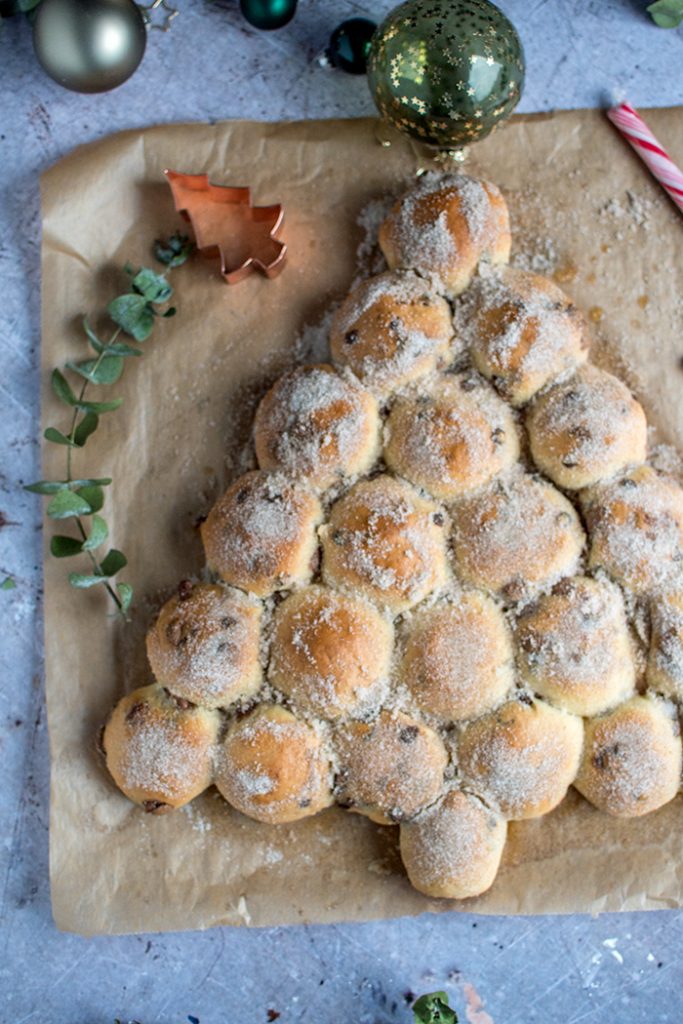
(225, 223)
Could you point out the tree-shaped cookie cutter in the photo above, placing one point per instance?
(225, 223)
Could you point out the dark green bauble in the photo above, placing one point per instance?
(268, 14)
(350, 45)
(446, 72)
(89, 45)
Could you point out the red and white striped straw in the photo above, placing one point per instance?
(651, 152)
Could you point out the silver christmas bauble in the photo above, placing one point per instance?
(89, 45)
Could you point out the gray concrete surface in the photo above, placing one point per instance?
(626, 968)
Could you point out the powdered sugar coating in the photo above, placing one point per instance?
(452, 439)
(635, 525)
(453, 849)
(331, 653)
(586, 429)
(390, 768)
(160, 754)
(522, 758)
(317, 425)
(574, 649)
(392, 329)
(446, 225)
(204, 645)
(523, 332)
(458, 661)
(261, 535)
(386, 541)
(516, 538)
(274, 767)
(631, 763)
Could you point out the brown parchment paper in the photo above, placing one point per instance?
(177, 441)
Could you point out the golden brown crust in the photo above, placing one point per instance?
(458, 660)
(391, 330)
(453, 439)
(386, 542)
(159, 750)
(261, 535)
(330, 653)
(389, 769)
(525, 333)
(631, 763)
(573, 647)
(635, 526)
(522, 757)
(453, 849)
(204, 645)
(517, 537)
(274, 767)
(446, 226)
(586, 429)
(317, 425)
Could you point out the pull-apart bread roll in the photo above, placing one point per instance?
(391, 330)
(331, 652)
(159, 749)
(204, 645)
(386, 542)
(274, 767)
(446, 226)
(262, 534)
(524, 332)
(453, 439)
(318, 426)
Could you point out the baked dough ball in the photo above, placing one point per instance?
(665, 663)
(574, 647)
(386, 542)
(453, 439)
(274, 767)
(522, 757)
(453, 849)
(330, 653)
(159, 750)
(458, 660)
(317, 425)
(446, 225)
(204, 645)
(635, 524)
(390, 768)
(392, 329)
(586, 429)
(631, 762)
(261, 535)
(525, 332)
(516, 538)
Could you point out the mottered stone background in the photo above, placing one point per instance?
(211, 66)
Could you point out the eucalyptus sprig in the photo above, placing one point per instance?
(433, 1008)
(134, 314)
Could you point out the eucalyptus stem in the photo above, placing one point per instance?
(134, 314)
(74, 420)
(79, 522)
(98, 570)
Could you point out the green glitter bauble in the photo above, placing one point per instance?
(446, 71)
